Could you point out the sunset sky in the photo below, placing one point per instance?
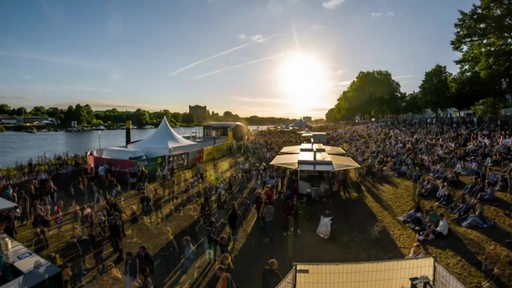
(284, 58)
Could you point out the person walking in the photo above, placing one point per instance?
(267, 216)
(131, 269)
(270, 276)
(234, 219)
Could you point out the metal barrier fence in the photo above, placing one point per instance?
(444, 279)
(422, 272)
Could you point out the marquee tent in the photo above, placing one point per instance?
(164, 141)
(6, 204)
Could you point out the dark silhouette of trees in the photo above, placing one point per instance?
(435, 91)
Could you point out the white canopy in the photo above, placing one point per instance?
(164, 141)
(6, 204)
(314, 161)
(119, 153)
(312, 147)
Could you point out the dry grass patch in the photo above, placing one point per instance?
(465, 248)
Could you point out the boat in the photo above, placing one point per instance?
(99, 128)
(149, 127)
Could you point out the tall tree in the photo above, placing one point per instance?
(371, 94)
(483, 36)
(38, 111)
(412, 103)
(5, 109)
(435, 89)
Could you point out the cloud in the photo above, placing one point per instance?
(407, 76)
(260, 100)
(242, 37)
(237, 66)
(115, 25)
(257, 39)
(73, 88)
(3, 96)
(53, 59)
(341, 84)
(381, 14)
(107, 104)
(331, 4)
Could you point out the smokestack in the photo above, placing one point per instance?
(128, 134)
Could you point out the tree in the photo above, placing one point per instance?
(18, 111)
(483, 36)
(371, 94)
(187, 119)
(4, 109)
(467, 89)
(435, 89)
(140, 118)
(412, 103)
(38, 111)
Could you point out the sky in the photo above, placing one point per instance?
(282, 58)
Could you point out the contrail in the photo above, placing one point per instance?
(237, 66)
(219, 54)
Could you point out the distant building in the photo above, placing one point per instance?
(308, 119)
(200, 113)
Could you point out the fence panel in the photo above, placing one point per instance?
(444, 279)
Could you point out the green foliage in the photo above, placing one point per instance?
(488, 106)
(483, 37)
(371, 94)
(467, 89)
(435, 89)
(187, 119)
(412, 103)
(4, 109)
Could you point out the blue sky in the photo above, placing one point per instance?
(237, 55)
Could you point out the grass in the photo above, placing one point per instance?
(462, 252)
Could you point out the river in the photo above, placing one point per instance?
(21, 146)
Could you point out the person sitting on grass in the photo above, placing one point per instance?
(489, 192)
(416, 251)
(409, 216)
(473, 220)
(432, 233)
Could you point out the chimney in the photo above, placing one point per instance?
(128, 128)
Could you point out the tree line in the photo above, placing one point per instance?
(85, 116)
(483, 37)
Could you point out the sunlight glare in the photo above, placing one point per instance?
(303, 80)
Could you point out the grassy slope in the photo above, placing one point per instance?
(460, 253)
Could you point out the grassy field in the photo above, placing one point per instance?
(465, 248)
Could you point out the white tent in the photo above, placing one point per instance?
(6, 204)
(164, 141)
(119, 153)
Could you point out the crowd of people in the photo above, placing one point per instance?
(432, 154)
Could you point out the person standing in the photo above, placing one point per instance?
(234, 222)
(267, 216)
(189, 254)
(146, 261)
(131, 269)
(225, 279)
(270, 276)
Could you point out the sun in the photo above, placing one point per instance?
(303, 81)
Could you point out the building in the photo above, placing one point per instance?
(200, 113)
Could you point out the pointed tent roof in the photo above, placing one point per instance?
(164, 141)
